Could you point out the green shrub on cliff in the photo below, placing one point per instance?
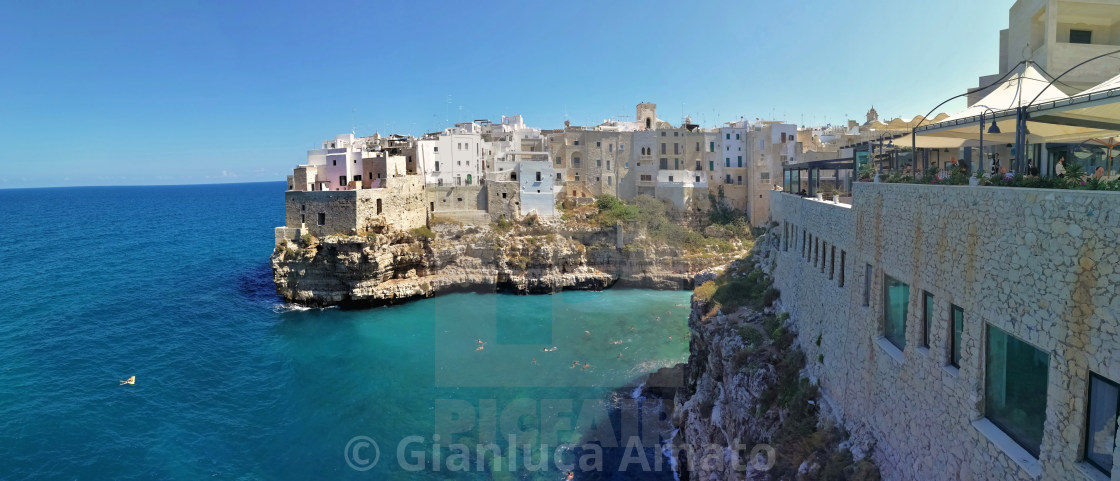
(423, 232)
(704, 291)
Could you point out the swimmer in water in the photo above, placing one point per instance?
(587, 332)
(620, 355)
(670, 338)
(585, 366)
(130, 380)
(534, 360)
(479, 348)
(570, 476)
(574, 364)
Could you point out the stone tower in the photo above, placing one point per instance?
(647, 115)
(872, 115)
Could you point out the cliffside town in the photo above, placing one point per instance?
(386, 265)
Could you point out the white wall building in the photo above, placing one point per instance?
(453, 157)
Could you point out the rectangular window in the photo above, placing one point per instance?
(802, 242)
(927, 315)
(663, 149)
(1080, 36)
(676, 148)
(896, 300)
(610, 147)
(698, 146)
(727, 162)
(670, 178)
(698, 166)
(736, 136)
(740, 161)
(609, 180)
(597, 144)
(824, 255)
(576, 142)
(1100, 424)
(322, 218)
(832, 264)
(646, 178)
(342, 181)
(539, 177)
(575, 162)
(740, 180)
(728, 136)
(867, 285)
(728, 179)
(711, 165)
(956, 329)
(664, 163)
(437, 166)
(1015, 379)
(711, 146)
(843, 258)
(598, 162)
(764, 177)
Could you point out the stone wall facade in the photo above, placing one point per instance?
(467, 197)
(1041, 265)
(321, 213)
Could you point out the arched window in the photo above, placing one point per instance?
(647, 123)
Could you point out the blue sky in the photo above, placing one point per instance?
(172, 92)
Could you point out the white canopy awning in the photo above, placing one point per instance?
(1026, 86)
(934, 142)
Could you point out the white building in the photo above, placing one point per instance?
(453, 157)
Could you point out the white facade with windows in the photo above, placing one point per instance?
(453, 157)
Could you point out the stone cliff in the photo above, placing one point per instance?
(744, 408)
(392, 266)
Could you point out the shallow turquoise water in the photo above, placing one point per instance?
(171, 284)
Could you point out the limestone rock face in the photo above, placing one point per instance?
(719, 406)
(391, 267)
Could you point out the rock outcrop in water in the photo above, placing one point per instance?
(394, 266)
(743, 392)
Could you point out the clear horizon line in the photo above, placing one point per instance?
(138, 185)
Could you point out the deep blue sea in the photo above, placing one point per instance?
(172, 285)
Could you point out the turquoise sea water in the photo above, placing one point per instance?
(172, 285)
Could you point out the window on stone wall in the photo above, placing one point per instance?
(664, 164)
(711, 146)
(1100, 424)
(608, 165)
(740, 164)
(843, 259)
(1015, 379)
(598, 162)
(832, 264)
(956, 330)
(662, 148)
(503, 195)
(867, 285)
(824, 255)
(1080, 36)
(927, 315)
(803, 242)
(598, 144)
(322, 218)
(711, 165)
(609, 182)
(896, 300)
(379, 206)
